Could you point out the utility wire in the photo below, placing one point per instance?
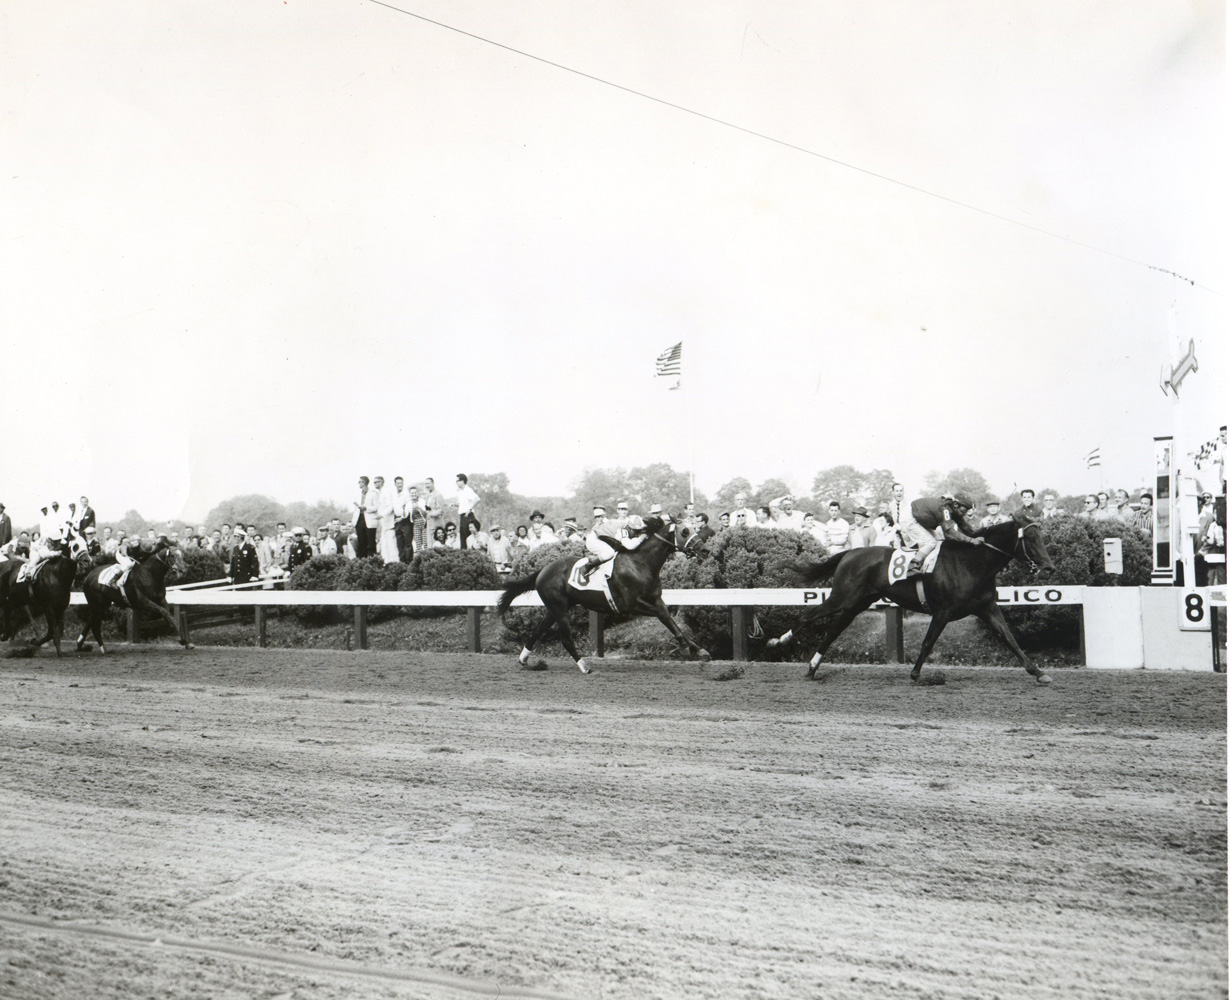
(790, 145)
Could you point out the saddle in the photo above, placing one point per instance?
(901, 565)
(599, 580)
(108, 578)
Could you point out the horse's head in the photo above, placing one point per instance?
(173, 557)
(1029, 544)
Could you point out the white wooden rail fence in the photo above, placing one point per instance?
(740, 602)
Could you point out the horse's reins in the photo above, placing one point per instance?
(1020, 538)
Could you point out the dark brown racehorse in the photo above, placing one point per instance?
(962, 584)
(47, 594)
(145, 589)
(634, 585)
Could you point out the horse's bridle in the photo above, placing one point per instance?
(1020, 544)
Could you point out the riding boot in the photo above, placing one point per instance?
(593, 563)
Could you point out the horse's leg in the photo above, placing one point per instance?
(842, 617)
(829, 609)
(938, 621)
(539, 633)
(165, 612)
(994, 617)
(659, 609)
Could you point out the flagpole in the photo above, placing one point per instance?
(687, 425)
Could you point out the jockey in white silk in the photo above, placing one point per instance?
(601, 551)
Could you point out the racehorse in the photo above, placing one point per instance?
(962, 584)
(145, 589)
(47, 594)
(634, 585)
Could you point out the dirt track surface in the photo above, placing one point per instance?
(258, 823)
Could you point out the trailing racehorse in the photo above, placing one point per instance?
(145, 589)
(47, 594)
(635, 589)
(962, 584)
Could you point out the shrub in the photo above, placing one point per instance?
(318, 573)
(526, 563)
(200, 565)
(1075, 547)
(450, 569)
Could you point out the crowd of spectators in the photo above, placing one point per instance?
(395, 522)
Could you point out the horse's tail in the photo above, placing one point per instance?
(515, 589)
(813, 573)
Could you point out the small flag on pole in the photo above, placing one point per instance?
(670, 365)
(1094, 458)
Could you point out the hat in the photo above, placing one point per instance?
(655, 508)
(861, 510)
(570, 520)
(599, 509)
(536, 516)
(299, 531)
(240, 531)
(89, 531)
(992, 502)
(963, 499)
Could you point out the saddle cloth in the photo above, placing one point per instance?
(24, 572)
(599, 580)
(901, 565)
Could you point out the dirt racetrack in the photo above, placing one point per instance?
(256, 823)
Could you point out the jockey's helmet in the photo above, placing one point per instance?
(635, 523)
(960, 499)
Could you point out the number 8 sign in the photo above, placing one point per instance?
(1194, 611)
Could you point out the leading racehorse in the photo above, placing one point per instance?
(47, 594)
(146, 588)
(962, 584)
(635, 588)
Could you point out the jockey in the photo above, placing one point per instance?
(126, 555)
(52, 529)
(932, 519)
(604, 536)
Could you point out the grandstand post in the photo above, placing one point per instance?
(360, 626)
(894, 634)
(474, 630)
(740, 624)
(134, 628)
(261, 635)
(181, 613)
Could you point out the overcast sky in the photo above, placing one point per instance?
(267, 246)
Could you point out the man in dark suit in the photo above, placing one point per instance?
(245, 565)
(85, 515)
(6, 527)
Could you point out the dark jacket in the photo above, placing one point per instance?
(245, 565)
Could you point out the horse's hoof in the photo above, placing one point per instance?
(811, 672)
(188, 645)
(914, 676)
(704, 656)
(582, 666)
(1043, 678)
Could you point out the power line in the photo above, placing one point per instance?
(790, 145)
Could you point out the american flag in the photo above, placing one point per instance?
(670, 365)
(1094, 458)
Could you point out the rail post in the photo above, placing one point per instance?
(261, 634)
(597, 632)
(740, 624)
(134, 627)
(894, 634)
(181, 613)
(360, 626)
(474, 630)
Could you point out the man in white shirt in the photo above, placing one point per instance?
(742, 516)
(403, 525)
(836, 529)
(814, 528)
(467, 502)
(540, 531)
(784, 514)
(386, 539)
(500, 549)
(325, 545)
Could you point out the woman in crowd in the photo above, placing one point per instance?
(451, 539)
(437, 539)
(522, 541)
